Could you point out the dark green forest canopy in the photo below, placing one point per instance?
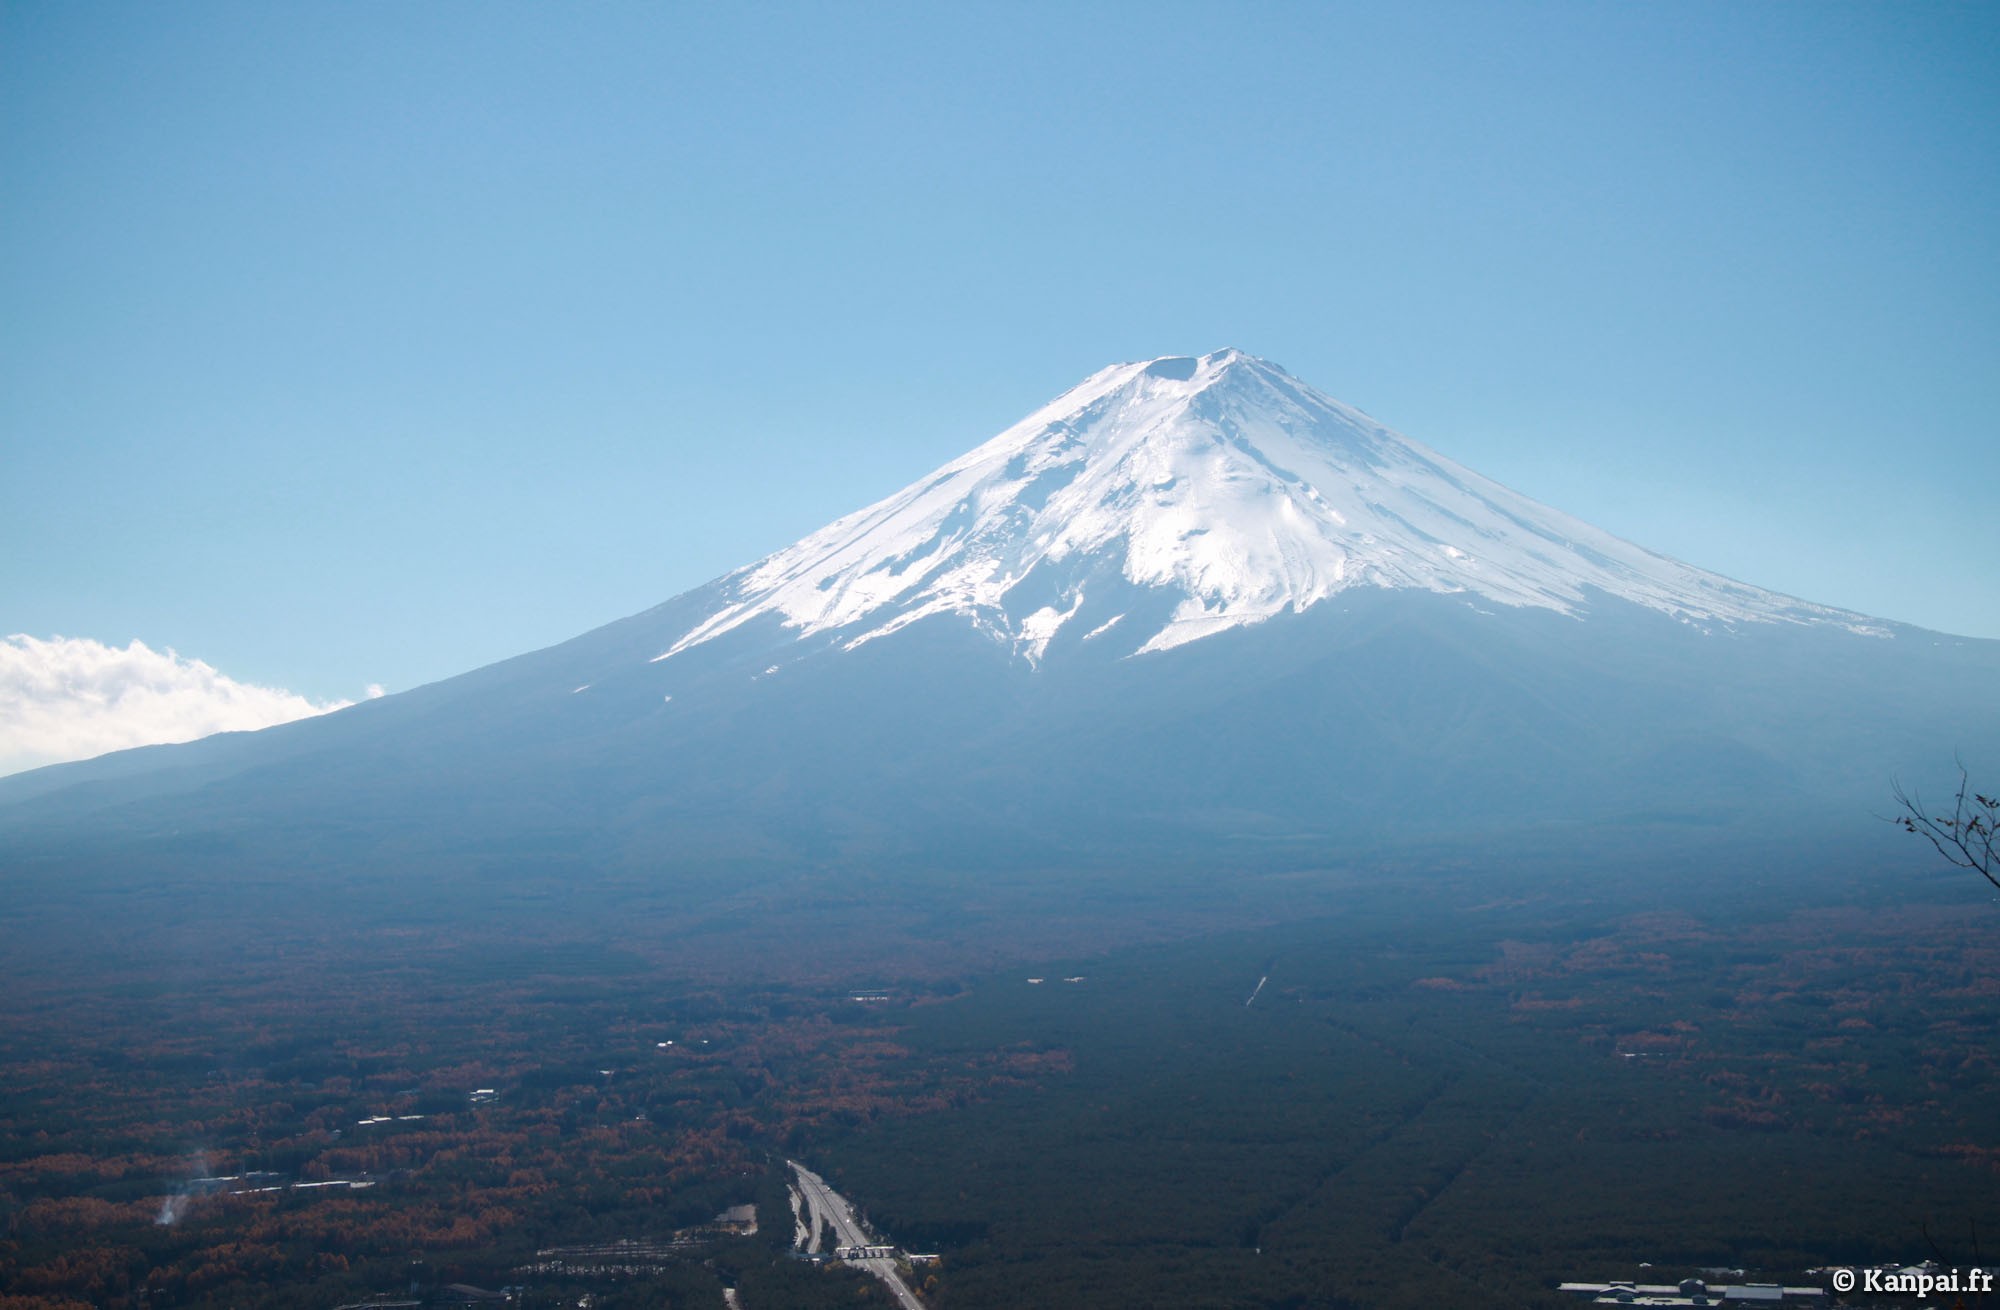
(1459, 1089)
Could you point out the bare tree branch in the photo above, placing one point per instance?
(1965, 837)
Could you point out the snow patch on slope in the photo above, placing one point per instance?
(1225, 485)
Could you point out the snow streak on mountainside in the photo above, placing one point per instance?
(1176, 498)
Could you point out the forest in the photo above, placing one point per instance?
(1462, 1094)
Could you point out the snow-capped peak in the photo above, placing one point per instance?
(1173, 498)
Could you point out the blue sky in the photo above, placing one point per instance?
(368, 344)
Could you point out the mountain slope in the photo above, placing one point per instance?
(1190, 611)
(1222, 483)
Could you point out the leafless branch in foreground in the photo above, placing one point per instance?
(1966, 836)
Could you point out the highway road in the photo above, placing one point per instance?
(830, 1209)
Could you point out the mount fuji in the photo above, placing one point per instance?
(1193, 496)
(1192, 609)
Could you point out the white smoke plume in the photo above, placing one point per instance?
(177, 1204)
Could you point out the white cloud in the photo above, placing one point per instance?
(70, 698)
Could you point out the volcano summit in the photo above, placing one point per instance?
(1192, 608)
(1183, 497)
